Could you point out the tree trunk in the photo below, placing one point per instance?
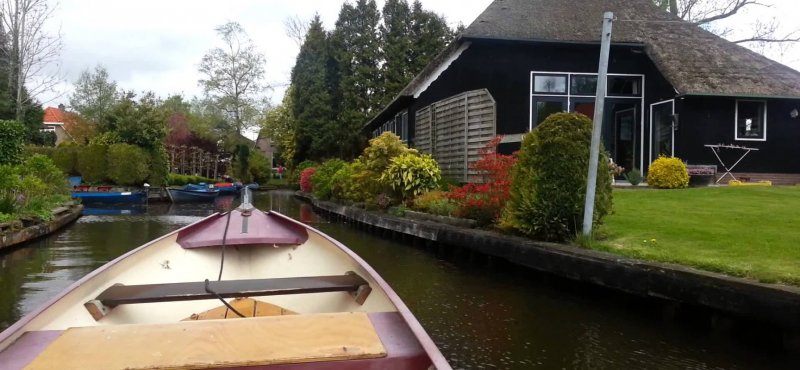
(673, 7)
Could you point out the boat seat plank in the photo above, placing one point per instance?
(150, 293)
(215, 343)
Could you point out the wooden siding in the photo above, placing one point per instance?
(454, 129)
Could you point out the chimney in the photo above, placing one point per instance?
(61, 107)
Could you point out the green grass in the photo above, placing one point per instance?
(741, 231)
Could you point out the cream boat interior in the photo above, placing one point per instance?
(281, 325)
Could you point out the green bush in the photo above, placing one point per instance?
(174, 179)
(342, 185)
(260, 168)
(159, 166)
(549, 180)
(435, 202)
(411, 174)
(128, 164)
(92, 163)
(322, 180)
(9, 186)
(12, 137)
(46, 151)
(32, 189)
(65, 157)
(634, 177)
(42, 168)
(369, 167)
(668, 173)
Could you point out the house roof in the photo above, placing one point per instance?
(53, 116)
(693, 60)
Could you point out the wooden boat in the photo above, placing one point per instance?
(307, 302)
(95, 197)
(189, 195)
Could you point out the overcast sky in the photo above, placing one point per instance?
(157, 44)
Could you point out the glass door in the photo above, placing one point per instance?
(662, 134)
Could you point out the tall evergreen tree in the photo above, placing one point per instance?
(430, 34)
(357, 44)
(396, 51)
(311, 96)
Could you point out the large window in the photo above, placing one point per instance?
(553, 92)
(751, 120)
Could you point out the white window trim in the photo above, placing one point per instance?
(736, 121)
(672, 139)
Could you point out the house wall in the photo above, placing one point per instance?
(710, 120)
(504, 69)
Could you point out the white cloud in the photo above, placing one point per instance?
(157, 44)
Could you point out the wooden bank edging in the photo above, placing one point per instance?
(63, 218)
(773, 303)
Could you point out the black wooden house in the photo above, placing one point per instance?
(673, 89)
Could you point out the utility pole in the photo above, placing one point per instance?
(597, 123)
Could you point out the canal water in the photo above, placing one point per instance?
(482, 315)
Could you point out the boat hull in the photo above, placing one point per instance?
(100, 197)
(186, 196)
(192, 254)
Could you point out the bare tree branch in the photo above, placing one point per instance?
(296, 29)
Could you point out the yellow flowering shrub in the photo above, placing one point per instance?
(668, 173)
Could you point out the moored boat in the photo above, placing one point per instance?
(228, 188)
(127, 197)
(191, 195)
(240, 289)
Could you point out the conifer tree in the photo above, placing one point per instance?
(312, 108)
(396, 51)
(430, 34)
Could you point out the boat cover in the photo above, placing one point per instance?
(257, 228)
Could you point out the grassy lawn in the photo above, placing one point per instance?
(742, 231)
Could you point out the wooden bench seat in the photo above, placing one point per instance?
(257, 341)
(170, 292)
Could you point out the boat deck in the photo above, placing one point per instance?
(311, 341)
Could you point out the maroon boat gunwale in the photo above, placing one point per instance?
(437, 359)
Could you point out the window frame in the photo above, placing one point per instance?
(736, 121)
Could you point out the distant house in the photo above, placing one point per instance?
(673, 88)
(53, 121)
(265, 145)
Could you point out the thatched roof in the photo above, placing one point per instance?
(695, 61)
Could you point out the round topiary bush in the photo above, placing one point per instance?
(548, 183)
(668, 173)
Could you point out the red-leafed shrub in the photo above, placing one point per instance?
(484, 201)
(305, 179)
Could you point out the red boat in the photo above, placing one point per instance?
(244, 289)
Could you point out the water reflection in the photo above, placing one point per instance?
(482, 318)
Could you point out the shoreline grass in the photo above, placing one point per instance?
(740, 231)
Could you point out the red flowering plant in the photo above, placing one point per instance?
(483, 201)
(305, 179)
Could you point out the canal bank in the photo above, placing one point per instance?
(62, 216)
(730, 298)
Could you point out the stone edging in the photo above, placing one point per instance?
(65, 216)
(778, 304)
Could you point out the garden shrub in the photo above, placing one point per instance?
(634, 177)
(293, 177)
(668, 173)
(65, 157)
(174, 179)
(12, 137)
(41, 167)
(92, 163)
(411, 174)
(342, 184)
(484, 202)
(305, 179)
(128, 164)
(322, 181)
(9, 186)
(46, 151)
(159, 166)
(260, 168)
(435, 202)
(549, 180)
(371, 164)
(32, 189)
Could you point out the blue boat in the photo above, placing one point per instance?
(105, 197)
(228, 188)
(188, 194)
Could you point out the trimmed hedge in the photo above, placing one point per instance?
(128, 164)
(174, 179)
(549, 180)
(65, 157)
(12, 137)
(92, 163)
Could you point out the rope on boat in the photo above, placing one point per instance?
(208, 290)
(221, 265)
